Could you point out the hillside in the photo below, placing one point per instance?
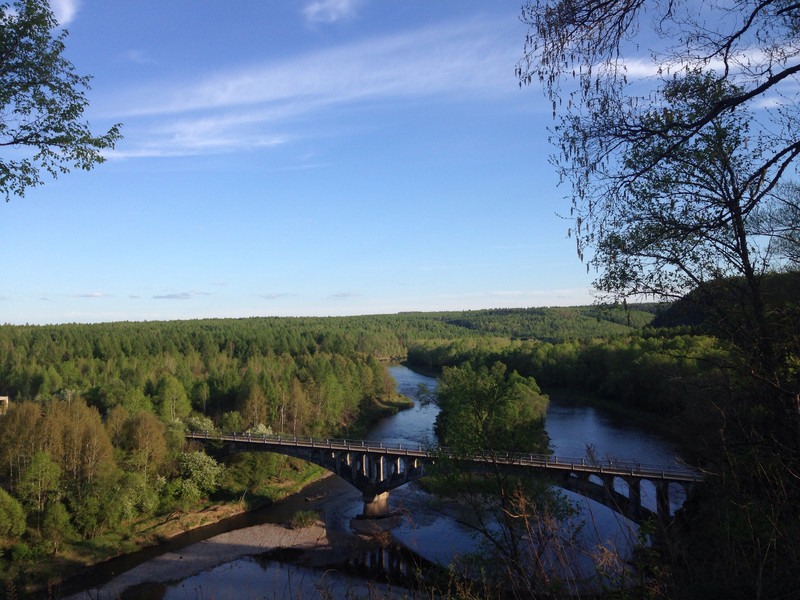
(710, 309)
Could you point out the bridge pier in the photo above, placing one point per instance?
(662, 500)
(635, 499)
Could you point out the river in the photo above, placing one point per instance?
(573, 428)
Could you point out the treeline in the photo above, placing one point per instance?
(274, 371)
(556, 324)
(661, 372)
(220, 363)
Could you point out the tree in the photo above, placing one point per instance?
(19, 438)
(56, 525)
(720, 96)
(39, 481)
(676, 177)
(254, 403)
(78, 442)
(12, 517)
(202, 471)
(678, 166)
(144, 437)
(489, 411)
(42, 101)
(171, 399)
(781, 220)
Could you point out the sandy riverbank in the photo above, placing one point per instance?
(174, 566)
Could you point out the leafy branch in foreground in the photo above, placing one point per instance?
(42, 100)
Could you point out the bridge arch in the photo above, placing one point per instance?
(375, 468)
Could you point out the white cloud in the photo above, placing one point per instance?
(330, 11)
(138, 56)
(437, 60)
(64, 10)
(174, 296)
(240, 107)
(204, 135)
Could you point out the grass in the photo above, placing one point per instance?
(303, 518)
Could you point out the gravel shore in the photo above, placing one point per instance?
(174, 566)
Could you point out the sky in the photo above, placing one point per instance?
(296, 158)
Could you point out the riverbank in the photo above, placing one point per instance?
(78, 559)
(291, 563)
(90, 563)
(225, 547)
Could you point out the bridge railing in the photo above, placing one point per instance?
(509, 458)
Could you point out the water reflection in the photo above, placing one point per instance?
(380, 572)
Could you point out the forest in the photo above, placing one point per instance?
(92, 443)
(92, 446)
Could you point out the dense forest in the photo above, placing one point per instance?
(92, 446)
(92, 443)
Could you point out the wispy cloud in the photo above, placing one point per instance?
(436, 60)
(344, 295)
(91, 295)
(275, 296)
(65, 10)
(138, 57)
(242, 108)
(181, 295)
(174, 296)
(330, 11)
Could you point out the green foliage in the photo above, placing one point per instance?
(680, 186)
(489, 409)
(171, 400)
(138, 496)
(201, 470)
(305, 376)
(199, 423)
(663, 374)
(260, 429)
(42, 101)
(56, 526)
(303, 518)
(231, 421)
(38, 481)
(12, 517)
(145, 443)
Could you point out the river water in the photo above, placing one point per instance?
(575, 428)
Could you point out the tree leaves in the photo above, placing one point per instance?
(42, 101)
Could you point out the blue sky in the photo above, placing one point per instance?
(288, 158)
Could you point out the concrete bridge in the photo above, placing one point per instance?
(375, 468)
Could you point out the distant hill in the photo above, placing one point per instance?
(700, 308)
(552, 324)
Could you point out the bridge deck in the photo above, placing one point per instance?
(542, 461)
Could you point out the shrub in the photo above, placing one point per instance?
(303, 518)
